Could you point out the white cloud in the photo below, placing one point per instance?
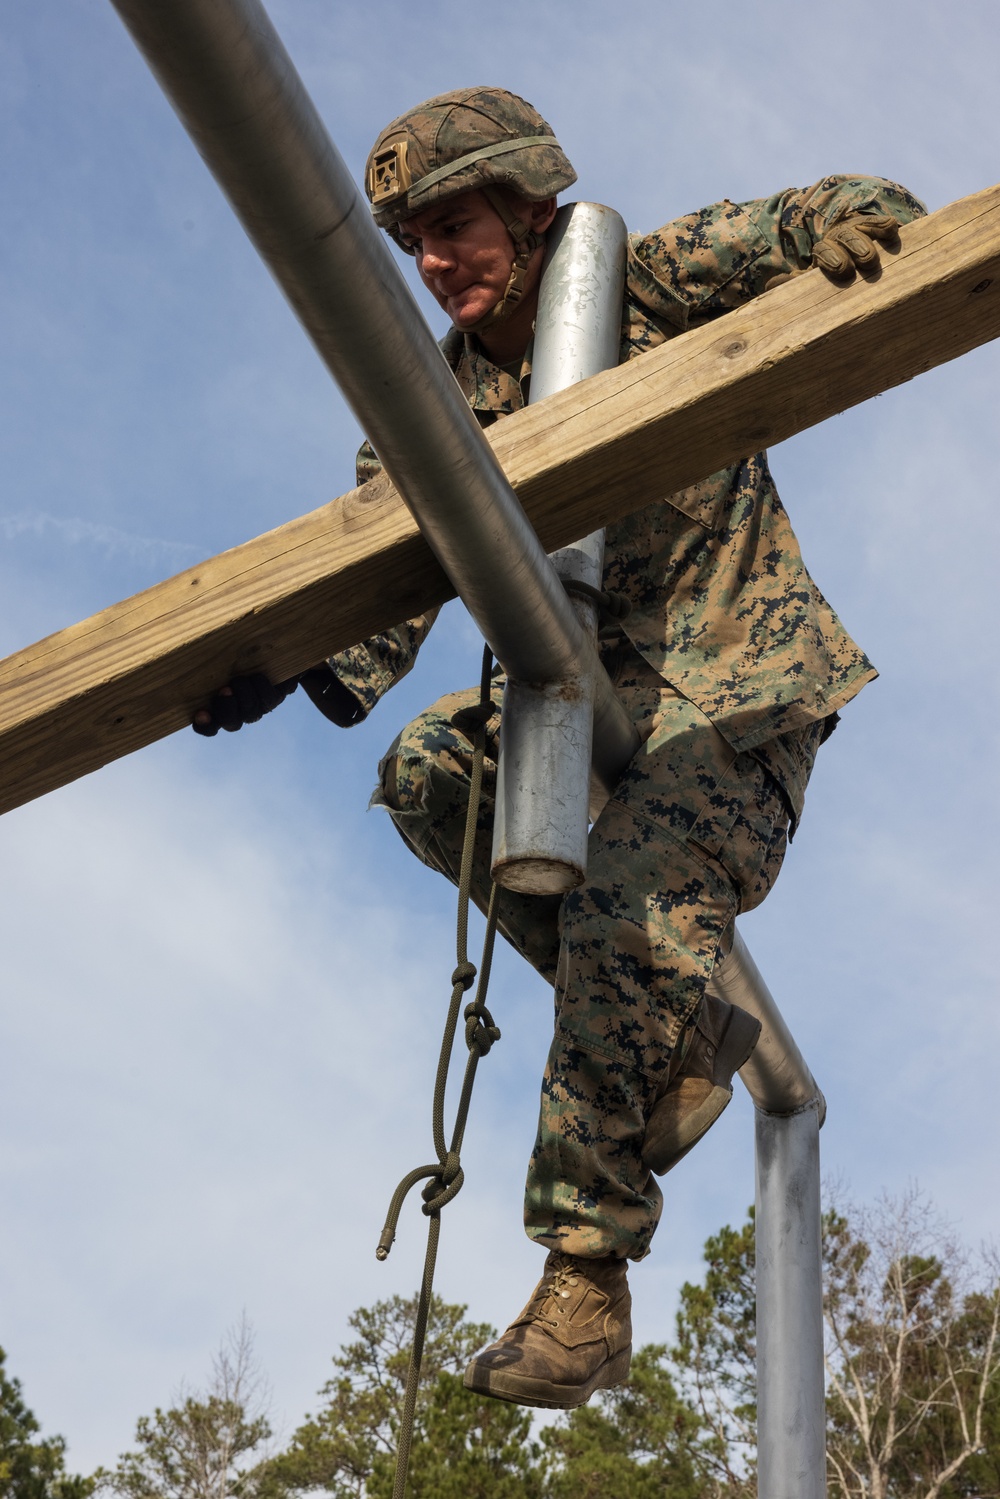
(74, 531)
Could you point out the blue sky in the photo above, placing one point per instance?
(225, 979)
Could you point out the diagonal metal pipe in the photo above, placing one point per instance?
(229, 78)
(224, 69)
(776, 1076)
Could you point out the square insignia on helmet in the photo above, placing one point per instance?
(389, 175)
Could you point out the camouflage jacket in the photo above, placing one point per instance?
(722, 604)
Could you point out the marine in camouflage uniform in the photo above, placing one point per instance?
(731, 664)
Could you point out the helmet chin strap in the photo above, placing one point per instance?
(526, 242)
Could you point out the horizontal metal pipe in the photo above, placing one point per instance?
(776, 1076)
(227, 75)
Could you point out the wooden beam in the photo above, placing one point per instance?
(136, 671)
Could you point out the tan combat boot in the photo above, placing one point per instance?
(573, 1337)
(719, 1040)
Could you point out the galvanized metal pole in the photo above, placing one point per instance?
(791, 1402)
(776, 1076)
(543, 778)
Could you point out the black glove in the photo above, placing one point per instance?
(335, 701)
(245, 700)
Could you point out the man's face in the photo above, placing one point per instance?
(463, 254)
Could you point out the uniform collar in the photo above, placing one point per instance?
(484, 384)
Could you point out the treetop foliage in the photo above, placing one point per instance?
(209, 1445)
(913, 1410)
(31, 1466)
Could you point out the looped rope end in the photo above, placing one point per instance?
(445, 1178)
(385, 1243)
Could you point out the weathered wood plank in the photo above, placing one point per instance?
(136, 671)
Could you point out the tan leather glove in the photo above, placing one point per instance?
(847, 246)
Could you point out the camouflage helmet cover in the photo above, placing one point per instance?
(458, 142)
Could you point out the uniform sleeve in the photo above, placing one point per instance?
(366, 465)
(368, 670)
(792, 222)
(706, 263)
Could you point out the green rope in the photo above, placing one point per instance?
(445, 1178)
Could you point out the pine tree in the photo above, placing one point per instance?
(202, 1447)
(464, 1447)
(31, 1466)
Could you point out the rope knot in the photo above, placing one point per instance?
(452, 1167)
(480, 1029)
(443, 1180)
(445, 1184)
(616, 605)
(609, 606)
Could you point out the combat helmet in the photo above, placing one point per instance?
(484, 139)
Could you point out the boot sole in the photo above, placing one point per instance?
(672, 1145)
(542, 1394)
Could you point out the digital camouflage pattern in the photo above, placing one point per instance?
(368, 670)
(731, 663)
(694, 833)
(722, 604)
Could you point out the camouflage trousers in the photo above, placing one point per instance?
(694, 834)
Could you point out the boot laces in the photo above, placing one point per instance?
(553, 1292)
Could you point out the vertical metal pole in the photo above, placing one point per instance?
(791, 1407)
(540, 823)
(223, 67)
(543, 779)
(790, 1109)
